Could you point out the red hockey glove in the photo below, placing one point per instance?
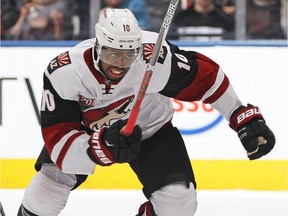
(254, 134)
(108, 146)
(146, 209)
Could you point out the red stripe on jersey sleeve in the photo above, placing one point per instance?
(217, 94)
(52, 135)
(206, 75)
(66, 148)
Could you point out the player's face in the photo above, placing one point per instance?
(114, 73)
(115, 63)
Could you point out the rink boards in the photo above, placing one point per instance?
(210, 174)
(258, 74)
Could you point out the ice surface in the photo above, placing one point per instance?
(126, 202)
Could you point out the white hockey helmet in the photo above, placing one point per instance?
(118, 29)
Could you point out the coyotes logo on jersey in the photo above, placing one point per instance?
(103, 117)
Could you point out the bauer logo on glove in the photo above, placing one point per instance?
(108, 145)
(248, 114)
(255, 136)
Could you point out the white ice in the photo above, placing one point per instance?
(126, 202)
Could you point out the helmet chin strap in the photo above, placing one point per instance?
(96, 61)
(97, 65)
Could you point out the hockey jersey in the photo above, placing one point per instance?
(77, 99)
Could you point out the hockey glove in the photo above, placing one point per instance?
(146, 209)
(254, 134)
(108, 146)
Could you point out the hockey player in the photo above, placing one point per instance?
(87, 97)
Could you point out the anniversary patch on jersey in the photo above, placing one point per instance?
(59, 61)
(86, 102)
(147, 53)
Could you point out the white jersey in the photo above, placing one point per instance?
(78, 99)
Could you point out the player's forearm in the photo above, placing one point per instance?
(227, 103)
(67, 150)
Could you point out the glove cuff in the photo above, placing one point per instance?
(97, 151)
(243, 115)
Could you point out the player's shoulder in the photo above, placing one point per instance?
(148, 44)
(149, 37)
(82, 46)
(65, 60)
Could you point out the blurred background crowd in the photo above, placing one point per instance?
(194, 19)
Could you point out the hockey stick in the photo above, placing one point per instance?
(2, 213)
(150, 67)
